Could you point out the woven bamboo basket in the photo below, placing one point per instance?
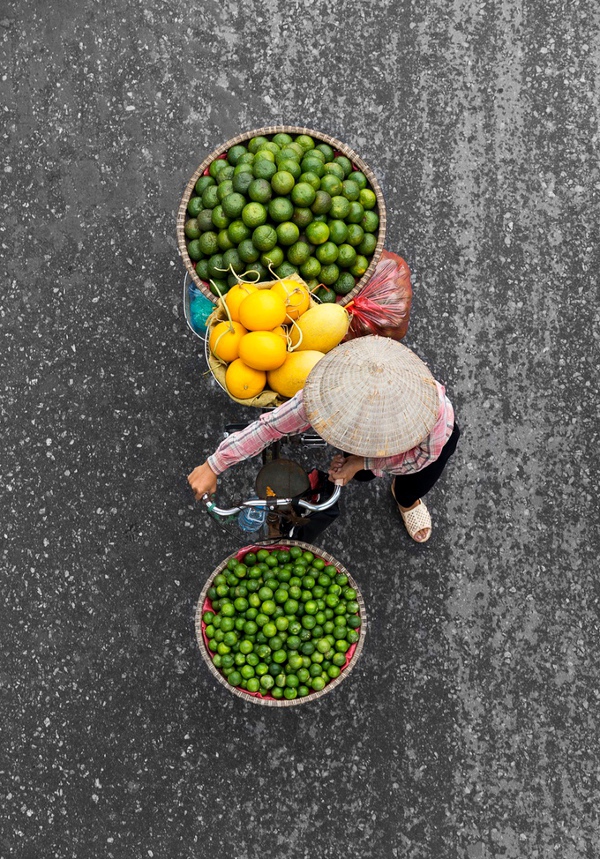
(337, 145)
(257, 697)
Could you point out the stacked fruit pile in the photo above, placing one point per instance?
(281, 623)
(282, 204)
(273, 336)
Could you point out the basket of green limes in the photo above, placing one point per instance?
(280, 625)
(279, 200)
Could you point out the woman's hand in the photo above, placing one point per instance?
(203, 481)
(342, 469)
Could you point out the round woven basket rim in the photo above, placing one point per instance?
(273, 702)
(287, 129)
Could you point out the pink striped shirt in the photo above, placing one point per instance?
(290, 418)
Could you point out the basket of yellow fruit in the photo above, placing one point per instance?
(282, 199)
(263, 339)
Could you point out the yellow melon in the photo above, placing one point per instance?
(235, 296)
(224, 340)
(295, 295)
(288, 379)
(262, 310)
(322, 327)
(263, 350)
(244, 382)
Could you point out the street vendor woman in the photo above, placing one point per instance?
(376, 401)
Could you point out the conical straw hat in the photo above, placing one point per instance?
(372, 397)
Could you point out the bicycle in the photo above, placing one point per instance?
(279, 486)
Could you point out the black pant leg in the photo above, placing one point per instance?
(408, 488)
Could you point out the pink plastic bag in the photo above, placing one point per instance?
(383, 305)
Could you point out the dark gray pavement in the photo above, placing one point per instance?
(469, 728)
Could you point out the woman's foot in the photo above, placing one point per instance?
(417, 521)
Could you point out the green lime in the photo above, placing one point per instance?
(355, 234)
(272, 257)
(317, 233)
(267, 681)
(235, 153)
(226, 173)
(322, 203)
(202, 183)
(332, 184)
(350, 190)
(224, 241)
(311, 268)
(310, 179)
(283, 181)
(326, 150)
(368, 245)
(194, 206)
(298, 253)
(325, 295)
(318, 683)
(355, 215)
(253, 684)
(255, 142)
(242, 167)
(224, 188)
(370, 222)
(327, 253)
(345, 283)
(310, 164)
(233, 204)
(260, 191)
(254, 214)
(208, 243)
(192, 228)
(204, 219)
(210, 197)
(247, 251)
(340, 207)
(305, 141)
(329, 274)
(216, 268)
(263, 169)
(287, 233)
(344, 163)
(219, 218)
(238, 231)
(202, 269)
(280, 209)
(338, 231)
(335, 169)
(302, 217)
(285, 270)
(287, 153)
(282, 138)
(358, 177)
(269, 146)
(367, 198)
(216, 166)
(246, 158)
(264, 238)
(232, 260)
(361, 264)
(303, 194)
(218, 287)
(241, 181)
(288, 165)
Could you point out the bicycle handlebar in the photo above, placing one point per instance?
(271, 504)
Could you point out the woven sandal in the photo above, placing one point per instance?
(417, 519)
